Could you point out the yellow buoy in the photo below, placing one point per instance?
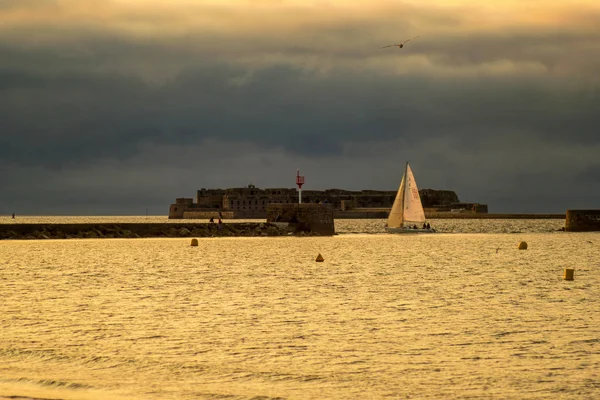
(319, 258)
(194, 242)
(523, 246)
(569, 272)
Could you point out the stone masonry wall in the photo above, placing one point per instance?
(207, 214)
(309, 217)
(582, 220)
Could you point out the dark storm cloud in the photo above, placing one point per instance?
(95, 98)
(590, 175)
(68, 117)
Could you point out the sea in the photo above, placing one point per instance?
(459, 314)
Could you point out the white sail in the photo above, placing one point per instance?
(395, 219)
(407, 206)
(413, 209)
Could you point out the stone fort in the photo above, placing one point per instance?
(252, 202)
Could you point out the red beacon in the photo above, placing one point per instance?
(299, 182)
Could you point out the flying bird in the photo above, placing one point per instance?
(400, 45)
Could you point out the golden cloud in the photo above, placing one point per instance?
(457, 36)
(158, 18)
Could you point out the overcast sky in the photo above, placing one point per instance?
(112, 107)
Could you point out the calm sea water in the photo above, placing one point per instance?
(459, 314)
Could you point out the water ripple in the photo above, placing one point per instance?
(432, 316)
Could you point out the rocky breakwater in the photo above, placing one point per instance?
(96, 231)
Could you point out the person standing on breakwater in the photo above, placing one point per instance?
(13, 216)
(220, 225)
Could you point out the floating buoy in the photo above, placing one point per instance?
(194, 242)
(569, 272)
(523, 246)
(319, 258)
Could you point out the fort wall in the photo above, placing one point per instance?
(207, 214)
(177, 210)
(252, 202)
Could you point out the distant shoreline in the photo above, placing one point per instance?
(382, 214)
(451, 215)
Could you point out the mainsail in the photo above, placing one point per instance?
(407, 206)
(396, 217)
(413, 209)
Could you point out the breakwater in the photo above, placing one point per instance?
(144, 230)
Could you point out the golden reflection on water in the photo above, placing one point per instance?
(424, 316)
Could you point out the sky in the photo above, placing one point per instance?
(118, 107)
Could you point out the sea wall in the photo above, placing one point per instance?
(582, 220)
(141, 230)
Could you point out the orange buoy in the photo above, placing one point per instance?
(319, 258)
(194, 242)
(523, 246)
(569, 274)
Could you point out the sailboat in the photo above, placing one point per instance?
(407, 210)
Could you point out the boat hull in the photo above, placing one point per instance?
(409, 230)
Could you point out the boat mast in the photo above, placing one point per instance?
(404, 190)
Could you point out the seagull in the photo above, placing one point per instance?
(400, 45)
